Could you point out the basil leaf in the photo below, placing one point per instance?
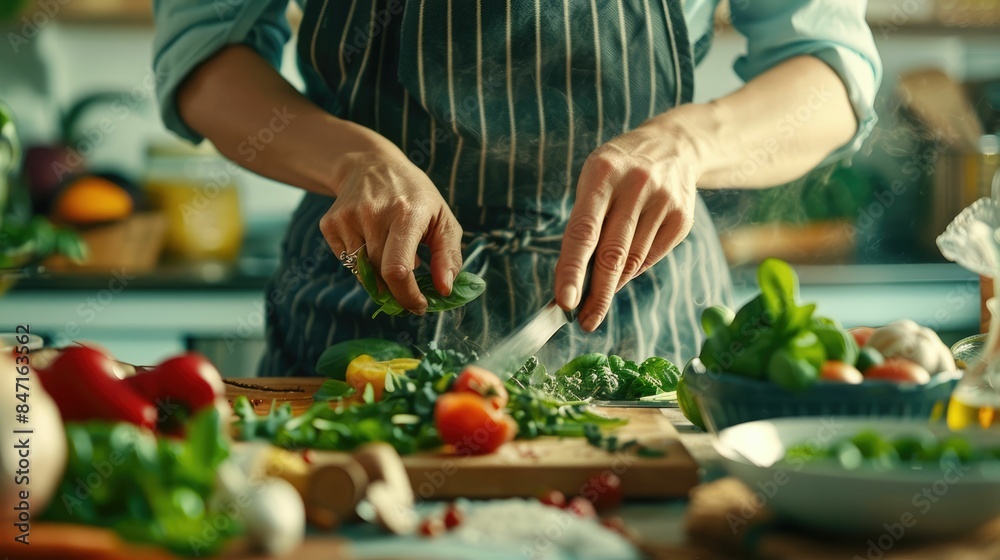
(662, 370)
(465, 288)
(839, 344)
(366, 274)
(333, 389)
(389, 306)
(798, 318)
(790, 372)
(778, 285)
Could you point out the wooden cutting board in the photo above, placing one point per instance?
(521, 468)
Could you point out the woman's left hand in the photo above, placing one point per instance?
(635, 202)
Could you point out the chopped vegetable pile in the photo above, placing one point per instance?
(596, 376)
(421, 406)
(872, 449)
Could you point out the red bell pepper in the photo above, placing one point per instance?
(82, 382)
(179, 387)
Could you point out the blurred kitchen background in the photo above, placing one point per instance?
(179, 241)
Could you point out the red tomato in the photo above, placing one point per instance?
(604, 490)
(471, 424)
(432, 526)
(483, 382)
(453, 517)
(839, 371)
(581, 507)
(553, 498)
(861, 334)
(899, 369)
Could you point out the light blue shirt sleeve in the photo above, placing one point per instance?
(835, 31)
(190, 31)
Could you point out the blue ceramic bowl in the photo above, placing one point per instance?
(727, 399)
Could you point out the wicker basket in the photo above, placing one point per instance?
(133, 244)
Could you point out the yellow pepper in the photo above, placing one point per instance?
(364, 370)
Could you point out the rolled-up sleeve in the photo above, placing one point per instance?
(190, 31)
(835, 31)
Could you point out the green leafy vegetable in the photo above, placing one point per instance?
(151, 489)
(596, 376)
(465, 288)
(334, 389)
(772, 336)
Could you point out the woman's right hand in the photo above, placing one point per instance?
(389, 205)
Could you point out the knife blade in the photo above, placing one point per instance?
(526, 341)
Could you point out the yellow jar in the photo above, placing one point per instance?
(197, 191)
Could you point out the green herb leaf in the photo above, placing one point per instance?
(465, 288)
(778, 285)
(333, 389)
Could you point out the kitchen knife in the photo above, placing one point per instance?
(526, 341)
(505, 358)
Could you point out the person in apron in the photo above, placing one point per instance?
(527, 139)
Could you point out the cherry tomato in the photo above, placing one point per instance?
(604, 490)
(581, 507)
(833, 370)
(553, 498)
(483, 382)
(432, 526)
(470, 423)
(861, 334)
(900, 370)
(453, 516)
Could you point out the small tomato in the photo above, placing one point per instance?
(833, 370)
(900, 370)
(470, 423)
(483, 382)
(861, 334)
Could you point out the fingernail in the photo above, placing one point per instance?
(570, 296)
(592, 321)
(451, 282)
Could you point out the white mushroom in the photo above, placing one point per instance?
(270, 508)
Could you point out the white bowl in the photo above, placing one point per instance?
(939, 500)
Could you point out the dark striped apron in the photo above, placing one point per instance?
(500, 102)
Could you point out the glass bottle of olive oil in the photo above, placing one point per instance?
(972, 407)
(976, 400)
